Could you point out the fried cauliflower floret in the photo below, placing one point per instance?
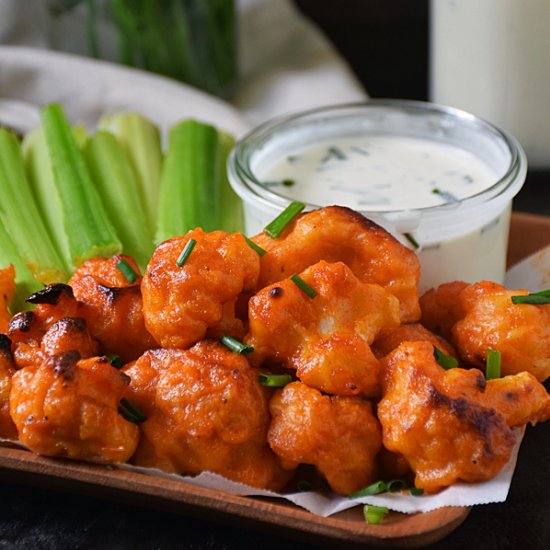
(441, 308)
(7, 370)
(520, 332)
(452, 425)
(339, 435)
(325, 338)
(7, 290)
(112, 307)
(338, 234)
(414, 332)
(206, 410)
(182, 304)
(46, 331)
(69, 407)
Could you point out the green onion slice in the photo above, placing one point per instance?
(127, 270)
(492, 365)
(374, 514)
(302, 285)
(277, 226)
(538, 298)
(416, 491)
(114, 359)
(444, 360)
(395, 485)
(288, 182)
(412, 240)
(186, 252)
(254, 246)
(372, 489)
(234, 345)
(274, 380)
(130, 412)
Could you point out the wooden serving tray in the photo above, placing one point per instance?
(528, 233)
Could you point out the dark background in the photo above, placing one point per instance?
(386, 43)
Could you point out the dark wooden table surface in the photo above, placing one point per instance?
(386, 42)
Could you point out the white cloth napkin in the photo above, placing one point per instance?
(286, 65)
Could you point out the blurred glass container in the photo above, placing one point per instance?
(193, 41)
(492, 58)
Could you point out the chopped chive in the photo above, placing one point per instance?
(334, 152)
(288, 182)
(492, 365)
(396, 485)
(127, 270)
(114, 360)
(274, 380)
(411, 239)
(444, 360)
(234, 345)
(372, 489)
(254, 246)
(374, 514)
(130, 412)
(449, 197)
(538, 298)
(416, 491)
(186, 252)
(110, 467)
(302, 285)
(277, 226)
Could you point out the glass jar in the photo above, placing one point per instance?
(460, 239)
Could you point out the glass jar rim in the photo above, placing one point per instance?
(247, 183)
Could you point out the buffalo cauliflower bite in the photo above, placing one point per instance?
(206, 411)
(69, 407)
(338, 234)
(520, 332)
(339, 435)
(451, 425)
(183, 303)
(7, 370)
(112, 307)
(325, 338)
(51, 328)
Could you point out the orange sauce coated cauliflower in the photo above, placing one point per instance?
(206, 410)
(69, 407)
(325, 338)
(182, 303)
(338, 234)
(7, 290)
(112, 307)
(339, 435)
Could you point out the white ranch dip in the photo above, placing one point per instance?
(378, 173)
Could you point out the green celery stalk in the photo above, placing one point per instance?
(140, 139)
(116, 183)
(87, 228)
(20, 216)
(40, 175)
(25, 282)
(231, 211)
(190, 192)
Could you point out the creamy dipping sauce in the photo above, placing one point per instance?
(378, 173)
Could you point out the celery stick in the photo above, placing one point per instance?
(87, 227)
(20, 216)
(25, 282)
(231, 212)
(116, 183)
(140, 139)
(39, 172)
(190, 194)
